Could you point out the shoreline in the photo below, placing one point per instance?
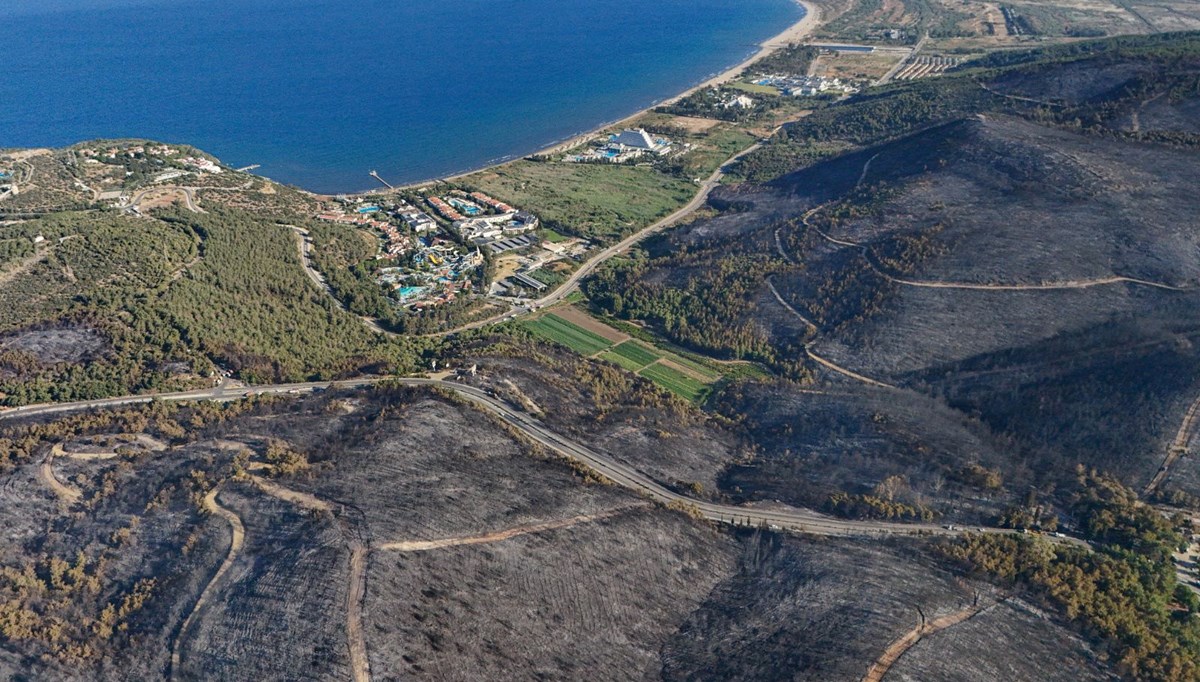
(790, 35)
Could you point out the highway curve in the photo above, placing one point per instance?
(777, 516)
(697, 201)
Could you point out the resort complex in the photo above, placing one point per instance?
(628, 145)
(427, 258)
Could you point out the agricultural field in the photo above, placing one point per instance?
(636, 353)
(682, 376)
(621, 361)
(677, 382)
(554, 328)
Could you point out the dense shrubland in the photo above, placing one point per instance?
(1122, 592)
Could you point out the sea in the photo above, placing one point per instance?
(319, 93)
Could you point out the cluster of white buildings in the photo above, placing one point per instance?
(417, 220)
(202, 165)
(624, 146)
(737, 102)
(130, 152)
(488, 228)
(807, 86)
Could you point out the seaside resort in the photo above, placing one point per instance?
(428, 258)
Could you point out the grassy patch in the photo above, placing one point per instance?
(548, 277)
(621, 361)
(558, 330)
(636, 353)
(754, 87)
(596, 201)
(552, 236)
(677, 382)
(708, 372)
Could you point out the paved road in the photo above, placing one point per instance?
(887, 77)
(781, 517)
(697, 201)
(189, 197)
(572, 282)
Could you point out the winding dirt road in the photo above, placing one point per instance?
(924, 628)
(975, 286)
(235, 547)
(499, 536)
(812, 355)
(66, 493)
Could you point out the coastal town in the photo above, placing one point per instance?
(432, 246)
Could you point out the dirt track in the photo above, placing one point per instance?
(288, 495)
(817, 358)
(360, 665)
(974, 286)
(66, 493)
(924, 628)
(424, 545)
(235, 546)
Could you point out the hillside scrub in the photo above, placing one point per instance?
(1125, 592)
(1073, 85)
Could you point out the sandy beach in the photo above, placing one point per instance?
(794, 34)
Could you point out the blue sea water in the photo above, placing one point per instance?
(319, 92)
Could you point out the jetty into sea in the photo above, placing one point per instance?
(385, 182)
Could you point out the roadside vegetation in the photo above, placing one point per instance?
(1124, 592)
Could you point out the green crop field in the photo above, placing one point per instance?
(708, 372)
(621, 361)
(558, 330)
(676, 382)
(553, 236)
(636, 353)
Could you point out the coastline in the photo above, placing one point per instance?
(792, 34)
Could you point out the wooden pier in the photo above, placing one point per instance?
(385, 182)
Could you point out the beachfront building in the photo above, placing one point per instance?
(495, 204)
(639, 139)
(627, 145)
(202, 165)
(810, 86)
